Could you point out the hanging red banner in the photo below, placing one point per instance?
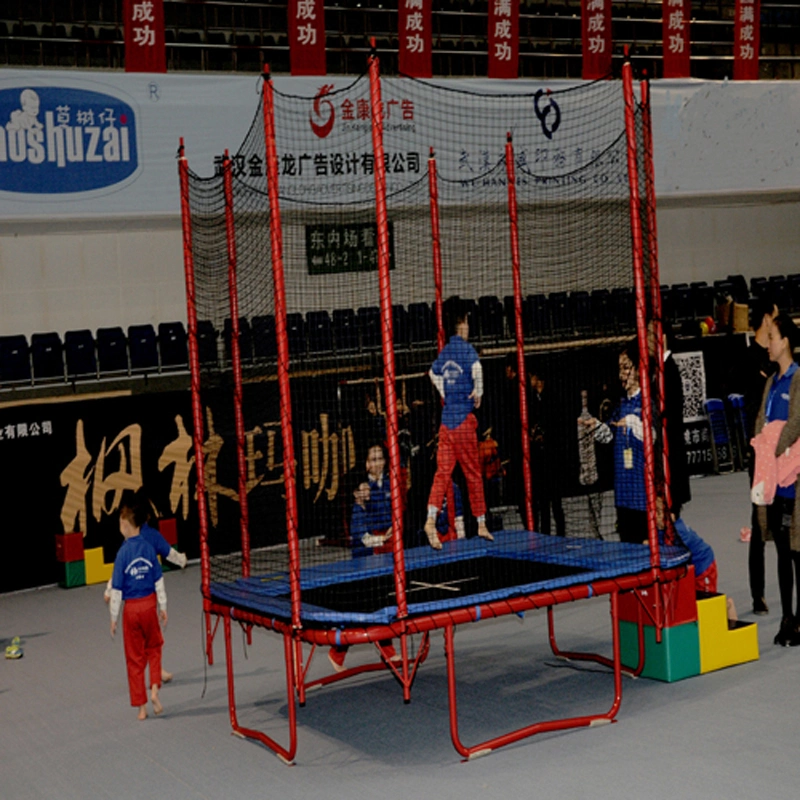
(503, 38)
(306, 37)
(746, 40)
(675, 32)
(596, 38)
(145, 50)
(414, 30)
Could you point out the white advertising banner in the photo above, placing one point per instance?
(101, 144)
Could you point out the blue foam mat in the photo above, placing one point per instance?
(269, 594)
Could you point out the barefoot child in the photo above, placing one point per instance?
(138, 581)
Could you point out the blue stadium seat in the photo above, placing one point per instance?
(560, 312)
(207, 353)
(296, 334)
(245, 339)
(345, 329)
(15, 360)
(79, 354)
(47, 354)
(265, 346)
(421, 328)
(143, 348)
(490, 318)
(112, 351)
(623, 307)
(400, 326)
(369, 324)
(172, 345)
(320, 333)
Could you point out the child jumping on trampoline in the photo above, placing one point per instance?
(458, 377)
(137, 580)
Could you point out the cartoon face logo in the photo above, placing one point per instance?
(320, 119)
(549, 127)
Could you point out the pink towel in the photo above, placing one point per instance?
(765, 479)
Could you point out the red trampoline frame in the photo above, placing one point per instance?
(294, 634)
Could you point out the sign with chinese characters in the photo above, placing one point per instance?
(414, 31)
(596, 38)
(746, 40)
(503, 38)
(145, 49)
(345, 248)
(675, 31)
(306, 37)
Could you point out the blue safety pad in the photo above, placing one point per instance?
(269, 594)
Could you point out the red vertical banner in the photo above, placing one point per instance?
(746, 40)
(414, 29)
(596, 38)
(675, 32)
(145, 50)
(503, 38)
(306, 37)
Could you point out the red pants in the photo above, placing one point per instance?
(143, 642)
(459, 446)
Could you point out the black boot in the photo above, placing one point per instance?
(786, 632)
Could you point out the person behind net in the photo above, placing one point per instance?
(626, 431)
(757, 369)
(137, 580)
(781, 519)
(458, 377)
(370, 531)
(162, 548)
(547, 453)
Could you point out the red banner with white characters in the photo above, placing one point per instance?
(596, 38)
(414, 30)
(145, 50)
(675, 31)
(306, 37)
(746, 40)
(503, 38)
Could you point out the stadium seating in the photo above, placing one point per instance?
(345, 330)
(79, 353)
(207, 353)
(320, 333)
(264, 343)
(112, 351)
(245, 339)
(143, 348)
(47, 354)
(15, 362)
(172, 346)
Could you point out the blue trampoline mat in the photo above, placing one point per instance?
(466, 572)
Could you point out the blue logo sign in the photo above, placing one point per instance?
(58, 140)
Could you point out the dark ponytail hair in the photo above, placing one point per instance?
(788, 330)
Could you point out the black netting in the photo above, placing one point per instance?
(577, 315)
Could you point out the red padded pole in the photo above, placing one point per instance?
(513, 226)
(387, 334)
(236, 365)
(279, 287)
(197, 407)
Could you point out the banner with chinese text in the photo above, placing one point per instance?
(675, 31)
(414, 30)
(306, 37)
(145, 49)
(596, 38)
(503, 38)
(746, 40)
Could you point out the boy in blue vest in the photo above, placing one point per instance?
(137, 580)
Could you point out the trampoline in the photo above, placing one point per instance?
(277, 551)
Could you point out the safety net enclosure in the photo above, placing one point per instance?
(423, 324)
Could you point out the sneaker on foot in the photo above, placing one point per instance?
(433, 536)
(760, 607)
(13, 651)
(336, 657)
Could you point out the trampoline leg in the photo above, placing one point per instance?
(287, 756)
(210, 634)
(538, 727)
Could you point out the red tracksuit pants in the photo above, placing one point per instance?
(459, 446)
(143, 642)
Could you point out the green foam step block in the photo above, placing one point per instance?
(675, 658)
(73, 573)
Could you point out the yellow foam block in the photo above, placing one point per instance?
(720, 646)
(97, 571)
